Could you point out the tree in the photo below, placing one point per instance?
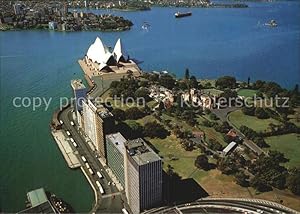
(193, 83)
(134, 113)
(142, 92)
(213, 116)
(154, 129)
(293, 181)
(227, 165)
(226, 82)
(201, 162)
(242, 179)
(260, 113)
(187, 145)
(214, 145)
(119, 114)
(207, 85)
(248, 110)
(167, 81)
(258, 184)
(136, 130)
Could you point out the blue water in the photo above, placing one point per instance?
(211, 43)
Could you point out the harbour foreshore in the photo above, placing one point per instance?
(66, 149)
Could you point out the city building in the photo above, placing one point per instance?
(18, 8)
(115, 155)
(79, 91)
(98, 121)
(100, 60)
(38, 202)
(143, 176)
(52, 25)
(231, 146)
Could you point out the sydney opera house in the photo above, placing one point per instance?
(101, 60)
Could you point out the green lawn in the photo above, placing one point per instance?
(247, 92)
(289, 145)
(295, 118)
(171, 147)
(213, 91)
(238, 118)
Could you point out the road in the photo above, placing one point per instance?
(223, 205)
(223, 114)
(84, 150)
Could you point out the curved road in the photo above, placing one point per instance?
(226, 204)
(103, 202)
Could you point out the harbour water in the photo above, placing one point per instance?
(211, 43)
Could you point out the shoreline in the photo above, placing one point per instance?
(10, 28)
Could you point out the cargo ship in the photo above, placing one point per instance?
(179, 15)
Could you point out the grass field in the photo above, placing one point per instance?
(246, 92)
(295, 118)
(238, 118)
(289, 145)
(171, 147)
(213, 181)
(213, 91)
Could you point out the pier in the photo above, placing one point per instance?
(66, 149)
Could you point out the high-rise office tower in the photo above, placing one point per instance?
(143, 176)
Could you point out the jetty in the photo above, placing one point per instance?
(66, 149)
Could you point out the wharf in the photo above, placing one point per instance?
(66, 149)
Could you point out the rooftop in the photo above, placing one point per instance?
(103, 112)
(141, 152)
(117, 140)
(77, 84)
(37, 197)
(98, 108)
(229, 147)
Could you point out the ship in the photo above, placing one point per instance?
(179, 15)
(145, 26)
(272, 23)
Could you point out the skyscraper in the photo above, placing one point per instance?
(143, 176)
(80, 92)
(98, 121)
(115, 155)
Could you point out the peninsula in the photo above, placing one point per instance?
(187, 129)
(56, 16)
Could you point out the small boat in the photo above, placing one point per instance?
(272, 23)
(179, 15)
(145, 26)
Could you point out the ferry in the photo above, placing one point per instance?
(272, 23)
(180, 15)
(145, 26)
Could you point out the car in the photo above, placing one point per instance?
(83, 158)
(99, 174)
(68, 133)
(91, 171)
(61, 122)
(108, 183)
(72, 123)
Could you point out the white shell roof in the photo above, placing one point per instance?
(99, 53)
(118, 50)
